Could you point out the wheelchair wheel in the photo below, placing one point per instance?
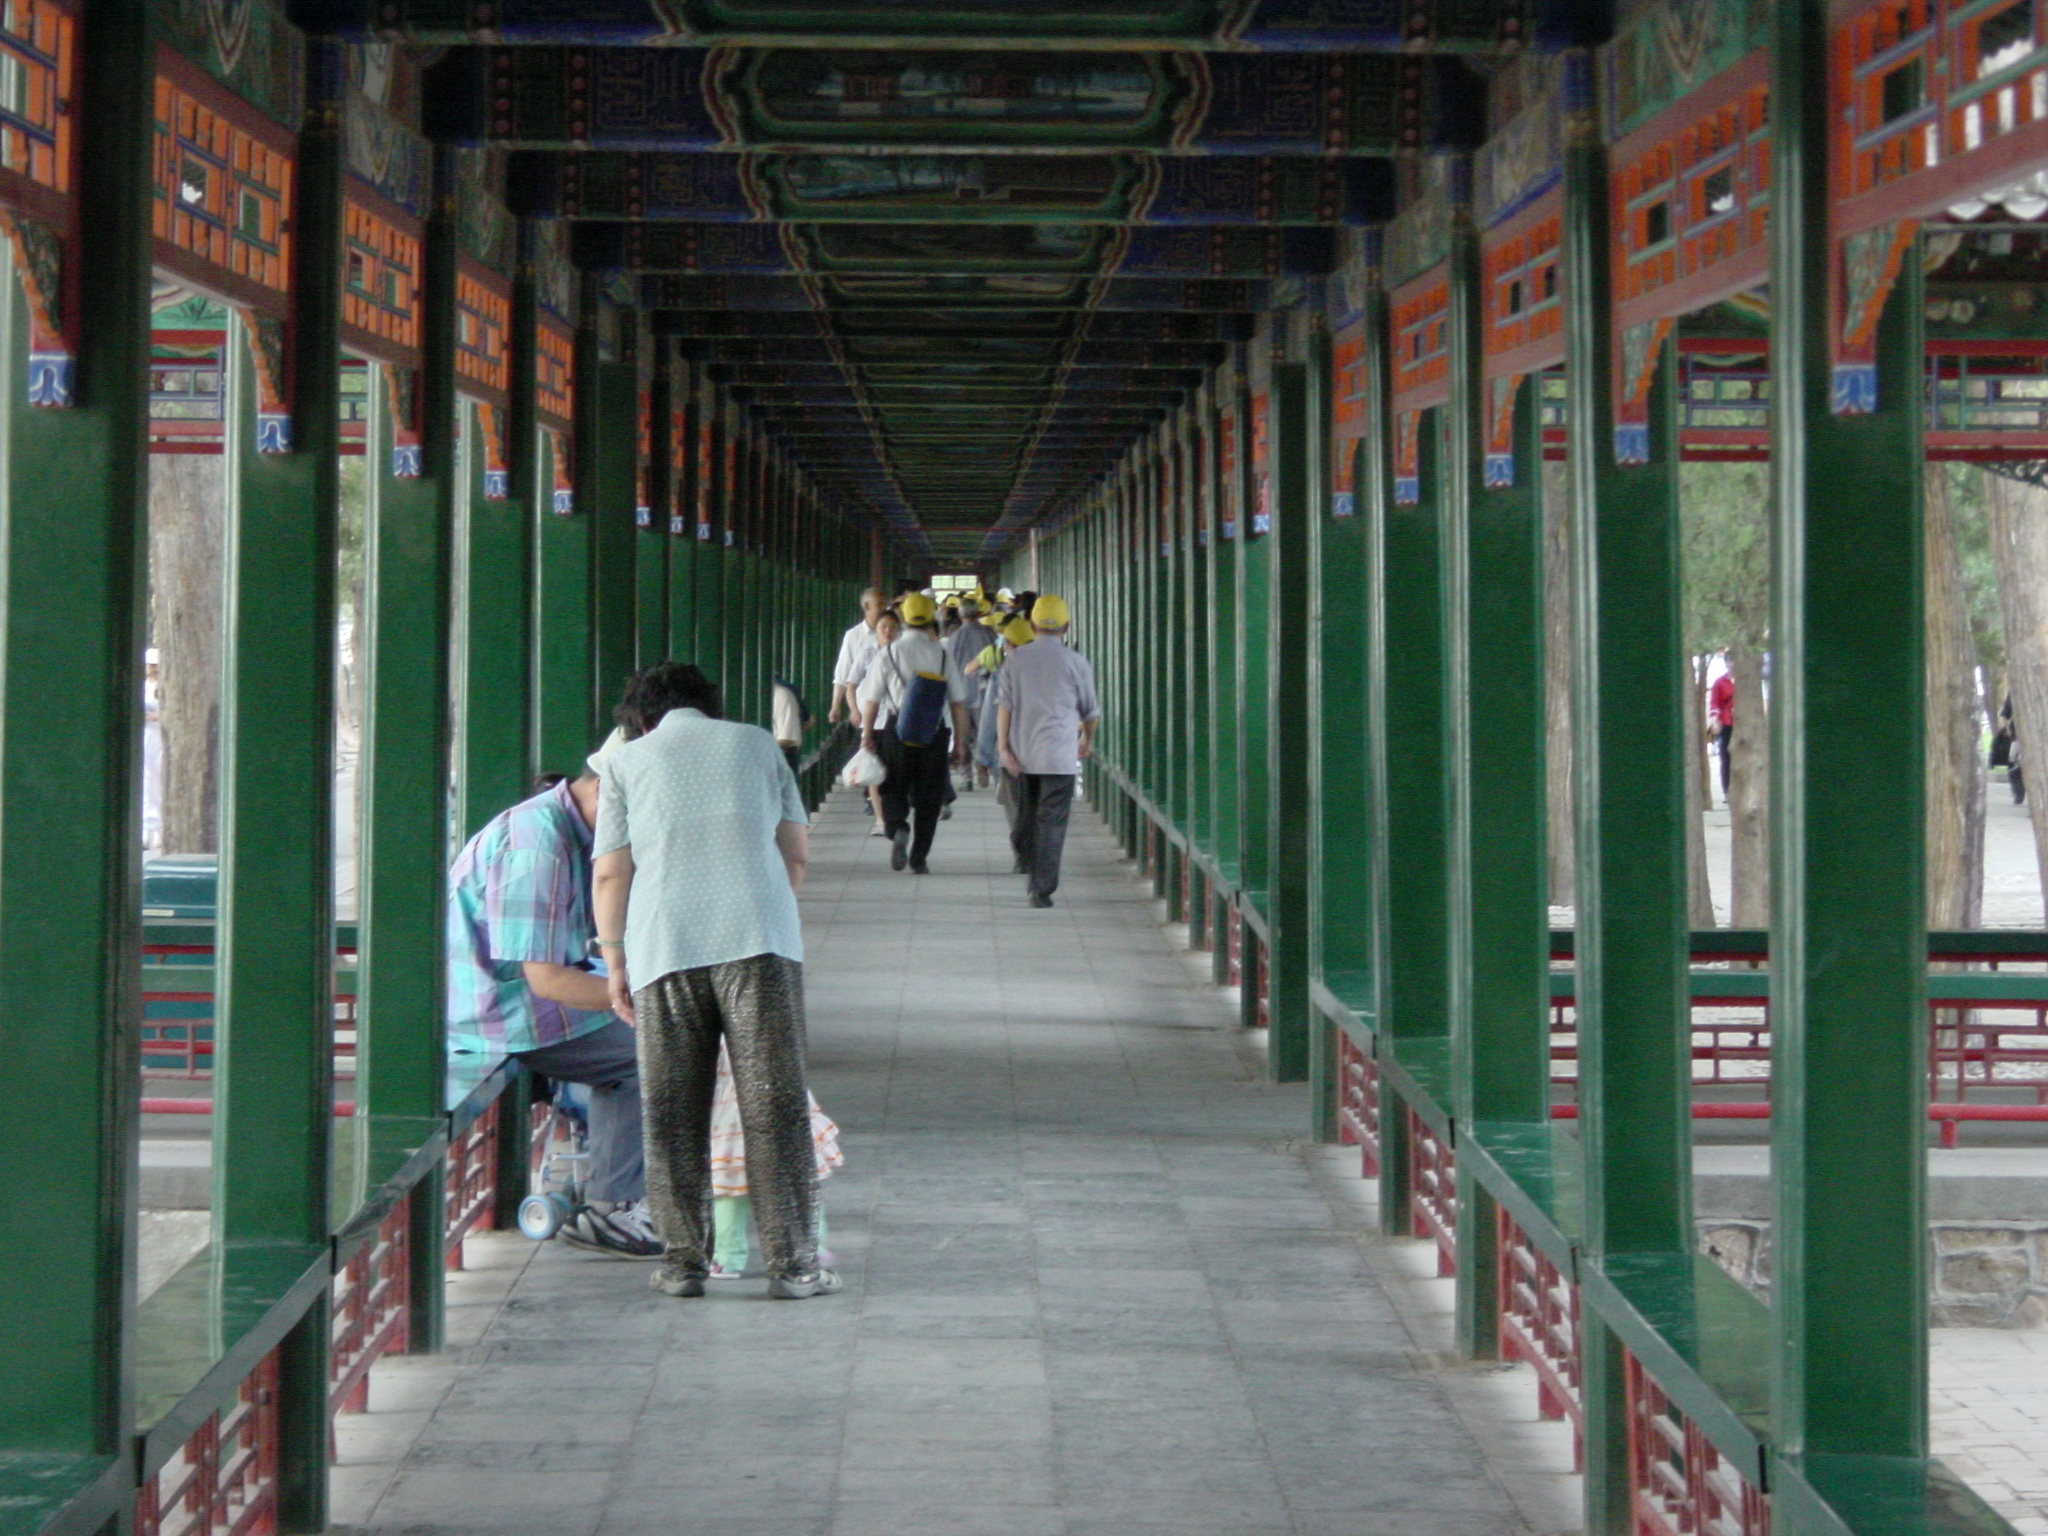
(541, 1216)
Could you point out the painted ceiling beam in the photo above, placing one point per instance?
(857, 325)
(922, 350)
(1128, 188)
(951, 250)
(944, 376)
(855, 101)
(1280, 25)
(919, 292)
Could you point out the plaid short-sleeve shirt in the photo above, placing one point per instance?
(519, 891)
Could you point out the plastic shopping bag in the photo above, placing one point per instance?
(863, 770)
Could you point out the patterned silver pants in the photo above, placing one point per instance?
(757, 1004)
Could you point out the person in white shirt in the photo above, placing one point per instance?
(857, 649)
(909, 691)
(700, 847)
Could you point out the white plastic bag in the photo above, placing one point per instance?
(863, 770)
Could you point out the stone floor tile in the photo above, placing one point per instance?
(1092, 1285)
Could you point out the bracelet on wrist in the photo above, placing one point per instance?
(611, 943)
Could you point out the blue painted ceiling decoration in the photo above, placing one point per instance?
(955, 255)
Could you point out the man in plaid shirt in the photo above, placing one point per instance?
(521, 984)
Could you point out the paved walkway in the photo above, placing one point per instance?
(1094, 1287)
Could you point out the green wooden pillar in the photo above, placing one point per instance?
(607, 435)
(1290, 578)
(1254, 576)
(1194, 647)
(274, 978)
(562, 645)
(712, 537)
(401, 1052)
(70, 843)
(1628, 767)
(1343, 919)
(1848, 990)
(1496, 877)
(650, 528)
(682, 518)
(1225, 458)
(1337, 831)
(496, 610)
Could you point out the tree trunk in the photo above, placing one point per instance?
(1699, 894)
(1955, 777)
(1748, 807)
(1557, 678)
(187, 523)
(2018, 515)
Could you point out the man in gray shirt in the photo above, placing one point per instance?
(963, 645)
(701, 844)
(1046, 714)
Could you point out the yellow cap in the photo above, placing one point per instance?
(1050, 612)
(1019, 632)
(918, 610)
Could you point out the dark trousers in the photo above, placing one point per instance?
(607, 1061)
(915, 790)
(1723, 737)
(757, 1006)
(1039, 835)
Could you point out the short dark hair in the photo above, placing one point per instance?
(653, 691)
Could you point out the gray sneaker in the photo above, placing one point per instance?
(819, 1282)
(673, 1282)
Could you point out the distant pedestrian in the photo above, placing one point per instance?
(905, 702)
(965, 643)
(1721, 712)
(1046, 717)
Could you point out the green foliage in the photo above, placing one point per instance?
(1980, 573)
(1724, 521)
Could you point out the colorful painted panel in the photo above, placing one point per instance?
(1385, 25)
(1688, 208)
(1668, 49)
(36, 64)
(1524, 157)
(1946, 107)
(1422, 351)
(491, 429)
(1521, 287)
(1420, 235)
(1350, 400)
(223, 197)
(854, 100)
(247, 46)
(39, 254)
(380, 280)
(555, 362)
(385, 155)
(482, 324)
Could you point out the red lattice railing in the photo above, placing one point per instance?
(223, 1481)
(1433, 1193)
(1539, 1322)
(472, 1182)
(371, 1301)
(1358, 1103)
(1679, 1484)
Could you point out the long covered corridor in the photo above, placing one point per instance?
(1524, 480)
(1095, 1286)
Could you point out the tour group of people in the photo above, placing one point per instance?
(933, 691)
(633, 927)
